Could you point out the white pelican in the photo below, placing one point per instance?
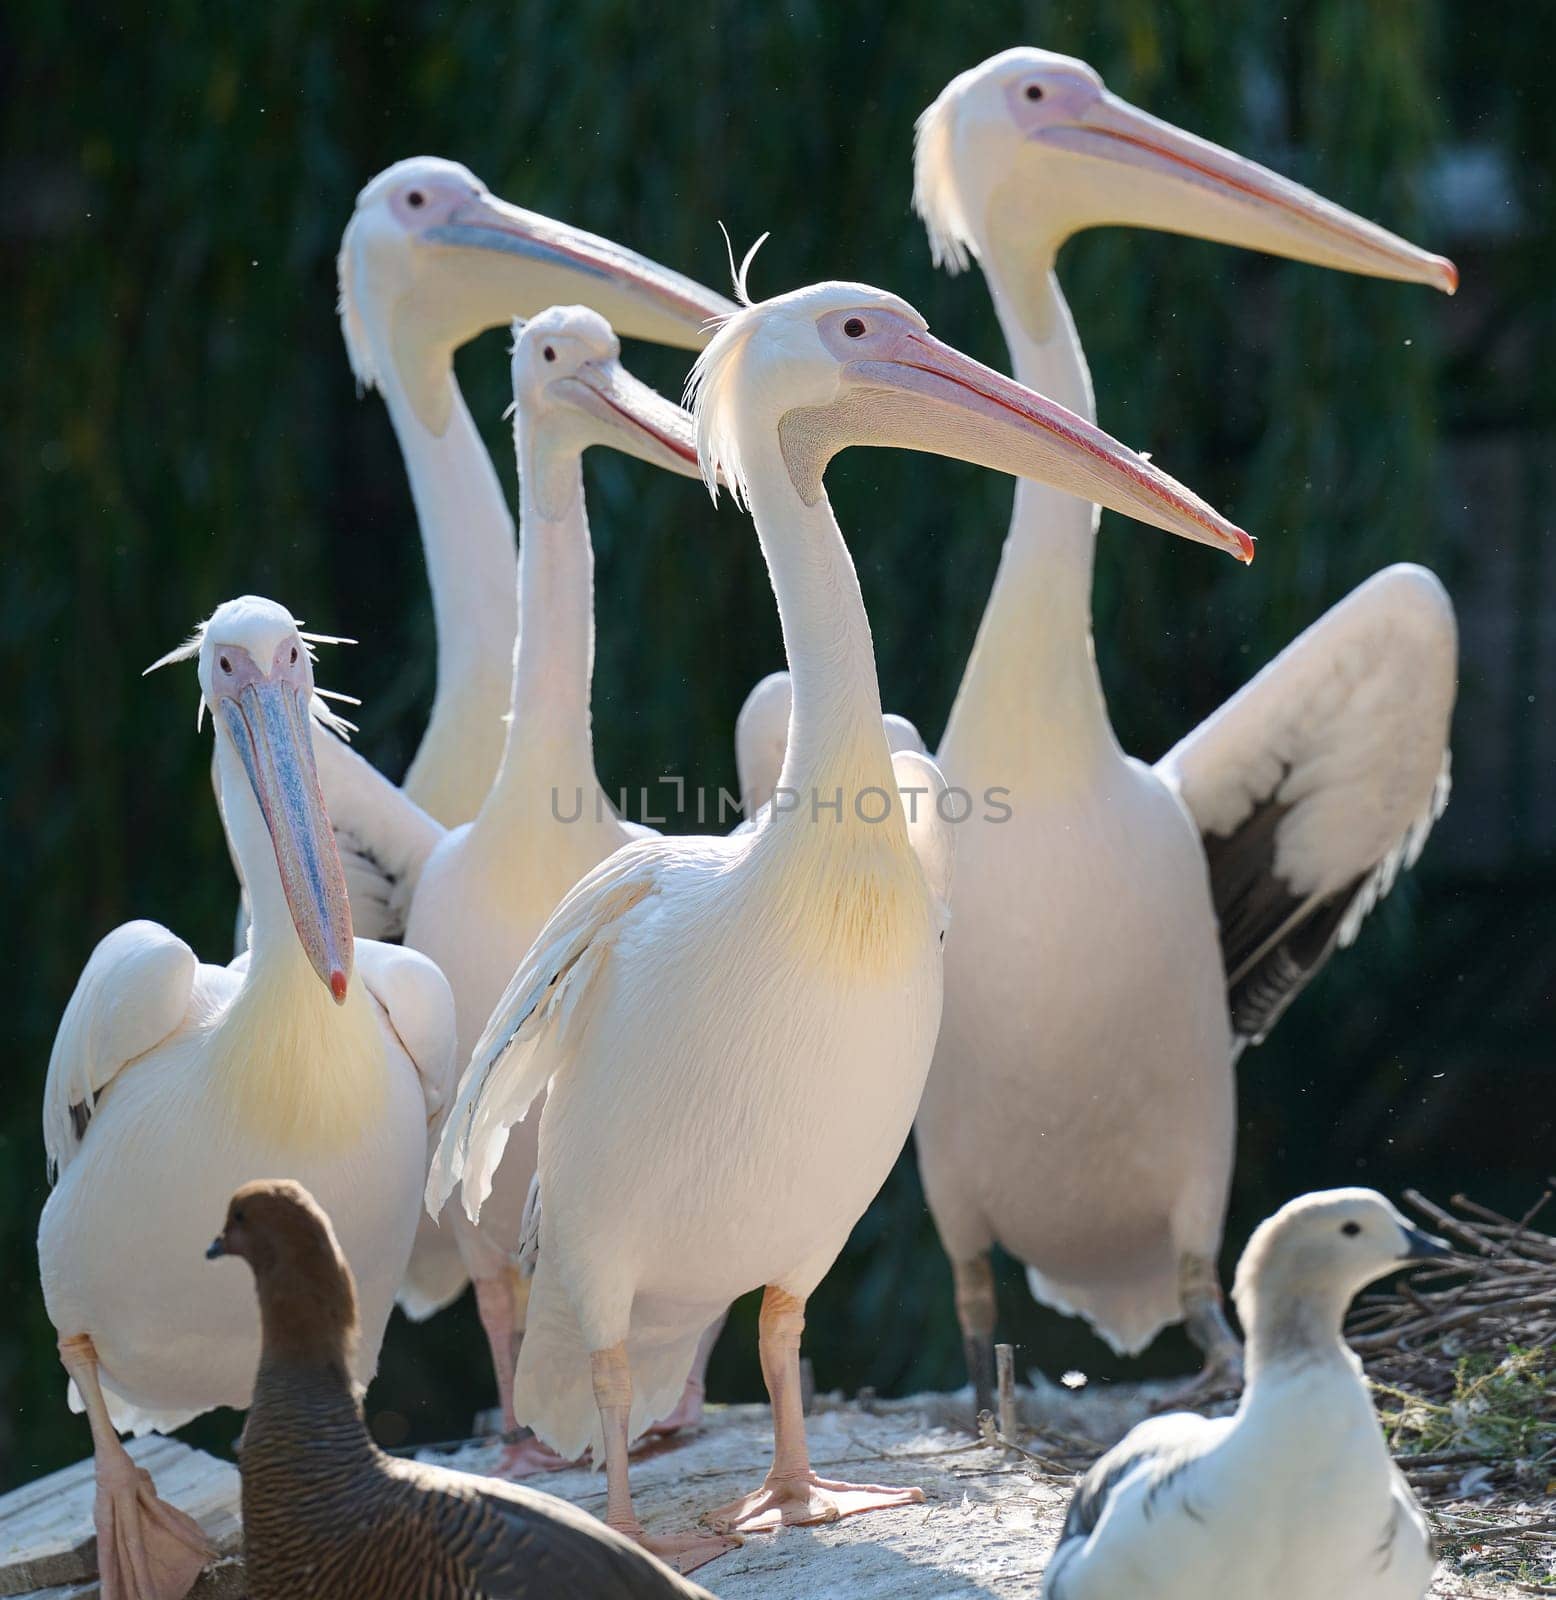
(1128, 929)
(479, 893)
(314, 1056)
(429, 260)
(1293, 1498)
(736, 1030)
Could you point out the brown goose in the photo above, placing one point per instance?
(328, 1516)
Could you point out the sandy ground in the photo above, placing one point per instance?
(989, 1521)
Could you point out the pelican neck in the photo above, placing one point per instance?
(1030, 705)
(836, 747)
(468, 542)
(550, 744)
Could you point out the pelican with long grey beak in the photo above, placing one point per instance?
(777, 990)
(315, 1056)
(429, 260)
(1125, 930)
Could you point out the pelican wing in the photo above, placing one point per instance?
(550, 993)
(922, 788)
(132, 994)
(419, 1005)
(1318, 781)
(383, 836)
(762, 737)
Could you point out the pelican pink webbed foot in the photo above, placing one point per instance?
(526, 1456)
(793, 1495)
(146, 1548)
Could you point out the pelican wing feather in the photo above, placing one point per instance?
(548, 996)
(132, 994)
(1319, 781)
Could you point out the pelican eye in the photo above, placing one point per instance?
(1034, 91)
(294, 655)
(854, 327)
(549, 353)
(226, 665)
(1350, 1229)
(415, 199)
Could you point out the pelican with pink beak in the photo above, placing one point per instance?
(735, 1031)
(1129, 928)
(315, 1056)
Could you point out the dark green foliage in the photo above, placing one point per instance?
(180, 426)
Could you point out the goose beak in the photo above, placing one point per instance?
(268, 722)
(917, 393)
(556, 264)
(1425, 1246)
(1134, 169)
(635, 419)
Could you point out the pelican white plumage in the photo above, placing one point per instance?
(762, 736)
(735, 1030)
(1129, 928)
(429, 260)
(315, 1055)
(1293, 1498)
(479, 893)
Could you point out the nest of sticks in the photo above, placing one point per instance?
(1462, 1359)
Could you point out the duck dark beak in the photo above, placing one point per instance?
(218, 1247)
(1426, 1246)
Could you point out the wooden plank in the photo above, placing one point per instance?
(224, 1581)
(47, 1541)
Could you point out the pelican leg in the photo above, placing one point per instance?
(613, 1395)
(688, 1410)
(503, 1302)
(792, 1493)
(494, 1300)
(1204, 1316)
(975, 1311)
(146, 1549)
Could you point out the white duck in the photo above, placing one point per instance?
(479, 893)
(736, 1030)
(314, 1056)
(429, 260)
(1129, 928)
(1293, 1498)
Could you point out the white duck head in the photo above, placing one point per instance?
(1303, 1265)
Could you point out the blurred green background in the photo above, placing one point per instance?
(180, 426)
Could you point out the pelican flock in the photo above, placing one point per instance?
(617, 1079)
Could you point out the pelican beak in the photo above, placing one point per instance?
(541, 263)
(1134, 169)
(267, 719)
(916, 393)
(635, 419)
